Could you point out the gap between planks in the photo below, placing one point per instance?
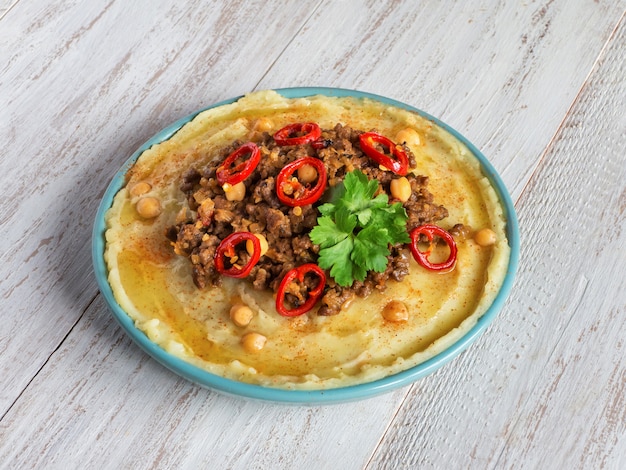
(583, 86)
(52, 353)
(583, 282)
(280, 54)
(5, 9)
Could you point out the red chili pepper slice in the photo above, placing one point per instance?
(228, 248)
(289, 135)
(226, 173)
(422, 256)
(302, 194)
(397, 160)
(314, 295)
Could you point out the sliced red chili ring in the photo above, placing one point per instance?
(430, 231)
(228, 248)
(397, 160)
(298, 134)
(302, 194)
(314, 295)
(226, 173)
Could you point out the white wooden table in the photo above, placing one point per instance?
(539, 86)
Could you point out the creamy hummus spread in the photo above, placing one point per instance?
(154, 285)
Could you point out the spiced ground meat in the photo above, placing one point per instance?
(286, 229)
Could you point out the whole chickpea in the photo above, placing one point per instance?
(241, 315)
(485, 237)
(307, 174)
(253, 342)
(401, 189)
(148, 207)
(140, 188)
(409, 136)
(262, 242)
(395, 311)
(235, 192)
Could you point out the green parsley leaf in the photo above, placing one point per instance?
(326, 233)
(337, 259)
(356, 229)
(371, 249)
(345, 220)
(393, 218)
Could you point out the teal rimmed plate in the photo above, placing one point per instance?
(348, 393)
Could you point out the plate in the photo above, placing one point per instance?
(336, 395)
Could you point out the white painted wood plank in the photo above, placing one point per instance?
(119, 409)
(546, 387)
(134, 64)
(577, 413)
(133, 76)
(83, 85)
(504, 73)
(5, 6)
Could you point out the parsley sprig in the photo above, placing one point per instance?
(356, 229)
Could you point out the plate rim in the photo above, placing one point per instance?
(239, 389)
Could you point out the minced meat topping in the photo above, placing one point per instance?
(286, 229)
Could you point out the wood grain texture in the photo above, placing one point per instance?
(504, 74)
(83, 84)
(98, 412)
(5, 6)
(548, 382)
(88, 84)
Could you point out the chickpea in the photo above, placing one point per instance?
(241, 315)
(263, 125)
(395, 311)
(253, 342)
(401, 189)
(262, 242)
(409, 136)
(235, 192)
(307, 174)
(140, 188)
(148, 207)
(485, 237)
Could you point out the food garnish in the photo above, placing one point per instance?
(228, 249)
(431, 231)
(288, 287)
(485, 237)
(292, 192)
(298, 134)
(356, 233)
(397, 159)
(356, 229)
(226, 174)
(314, 334)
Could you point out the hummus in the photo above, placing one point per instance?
(155, 287)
